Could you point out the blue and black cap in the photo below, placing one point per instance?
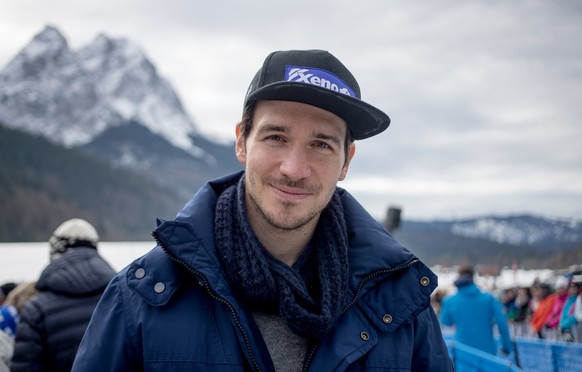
(317, 78)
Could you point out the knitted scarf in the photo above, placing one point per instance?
(310, 294)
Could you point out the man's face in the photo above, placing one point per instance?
(294, 157)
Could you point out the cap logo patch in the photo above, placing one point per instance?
(318, 77)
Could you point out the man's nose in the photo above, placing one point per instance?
(295, 164)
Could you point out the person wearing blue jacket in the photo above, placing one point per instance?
(568, 320)
(275, 268)
(474, 313)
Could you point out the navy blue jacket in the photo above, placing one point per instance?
(173, 309)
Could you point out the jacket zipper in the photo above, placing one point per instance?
(375, 274)
(213, 295)
(357, 295)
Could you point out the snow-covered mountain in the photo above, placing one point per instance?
(530, 241)
(520, 230)
(513, 230)
(71, 96)
(107, 100)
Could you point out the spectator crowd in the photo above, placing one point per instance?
(549, 311)
(545, 311)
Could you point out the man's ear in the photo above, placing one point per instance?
(349, 155)
(240, 145)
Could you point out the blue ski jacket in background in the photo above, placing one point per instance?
(473, 313)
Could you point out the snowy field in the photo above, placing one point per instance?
(25, 261)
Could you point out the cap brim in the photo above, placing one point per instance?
(363, 119)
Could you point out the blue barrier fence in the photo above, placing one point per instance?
(551, 356)
(468, 359)
(528, 355)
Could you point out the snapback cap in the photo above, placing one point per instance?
(317, 78)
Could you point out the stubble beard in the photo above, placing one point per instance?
(280, 220)
(282, 223)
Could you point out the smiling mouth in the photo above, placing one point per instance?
(290, 193)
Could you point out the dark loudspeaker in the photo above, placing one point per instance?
(392, 221)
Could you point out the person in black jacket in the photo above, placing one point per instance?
(53, 322)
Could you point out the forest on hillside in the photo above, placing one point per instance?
(42, 184)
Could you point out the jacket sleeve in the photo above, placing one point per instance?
(28, 346)
(108, 343)
(430, 350)
(445, 315)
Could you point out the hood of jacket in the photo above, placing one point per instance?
(469, 290)
(80, 271)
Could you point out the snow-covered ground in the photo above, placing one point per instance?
(25, 261)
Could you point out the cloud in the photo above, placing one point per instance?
(483, 95)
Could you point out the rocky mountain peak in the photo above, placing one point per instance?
(48, 42)
(105, 53)
(47, 49)
(71, 97)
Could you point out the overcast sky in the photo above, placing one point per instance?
(485, 96)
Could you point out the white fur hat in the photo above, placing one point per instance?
(70, 234)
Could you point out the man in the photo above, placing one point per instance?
(52, 323)
(275, 268)
(474, 313)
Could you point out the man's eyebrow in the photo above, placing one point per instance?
(271, 128)
(328, 137)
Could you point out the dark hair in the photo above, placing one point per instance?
(246, 124)
(545, 287)
(466, 269)
(7, 287)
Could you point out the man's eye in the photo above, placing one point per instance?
(322, 145)
(274, 137)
